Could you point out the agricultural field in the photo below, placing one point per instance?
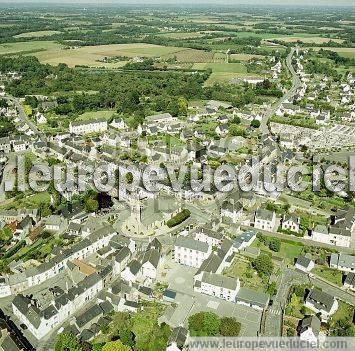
(39, 34)
(190, 55)
(245, 57)
(345, 52)
(23, 47)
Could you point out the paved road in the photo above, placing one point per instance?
(302, 240)
(273, 315)
(24, 118)
(296, 82)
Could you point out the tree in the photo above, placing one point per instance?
(229, 326)
(234, 130)
(91, 205)
(236, 120)
(67, 342)
(204, 324)
(272, 289)
(5, 234)
(255, 123)
(183, 105)
(127, 337)
(263, 265)
(116, 346)
(275, 244)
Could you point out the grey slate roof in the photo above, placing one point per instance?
(253, 297)
(312, 322)
(320, 299)
(192, 244)
(219, 280)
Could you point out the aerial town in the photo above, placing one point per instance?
(130, 269)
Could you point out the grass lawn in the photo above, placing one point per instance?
(345, 311)
(289, 251)
(243, 270)
(105, 114)
(332, 275)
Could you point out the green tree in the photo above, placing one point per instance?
(235, 130)
(5, 234)
(91, 205)
(229, 326)
(116, 346)
(272, 289)
(255, 123)
(204, 324)
(263, 265)
(183, 105)
(275, 244)
(67, 342)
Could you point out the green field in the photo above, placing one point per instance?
(11, 48)
(332, 275)
(346, 52)
(39, 34)
(105, 114)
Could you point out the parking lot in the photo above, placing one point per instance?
(180, 279)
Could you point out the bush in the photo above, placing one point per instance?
(229, 326)
(204, 324)
(179, 218)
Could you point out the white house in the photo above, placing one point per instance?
(332, 235)
(304, 264)
(217, 285)
(290, 222)
(86, 127)
(321, 302)
(343, 262)
(208, 236)
(190, 252)
(233, 211)
(265, 219)
(118, 123)
(310, 328)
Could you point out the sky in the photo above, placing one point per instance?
(191, 2)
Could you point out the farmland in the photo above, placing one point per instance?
(39, 34)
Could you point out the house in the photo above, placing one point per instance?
(244, 240)
(150, 263)
(288, 108)
(5, 145)
(265, 219)
(291, 223)
(323, 118)
(232, 210)
(41, 119)
(118, 123)
(23, 228)
(321, 302)
(333, 235)
(178, 339)
(304, 264)
(55, 223)
(217, 285)
(121, 260)
(86, 127)
(207, 235)
(309, 328)
(132, 272)
(349, 281)
(190, 252)
(252, 298)
(222, 130)
(343, 262)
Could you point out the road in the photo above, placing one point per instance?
(302, 240)
(296, 82)
(24, 118)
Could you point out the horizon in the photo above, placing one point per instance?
(192, 3)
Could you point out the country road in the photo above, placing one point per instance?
(290, 93)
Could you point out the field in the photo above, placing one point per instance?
(190, 55)
(182, 35)
(346, 52)
(11, 48)
(306, 39)
(244, 57)
(38, 34)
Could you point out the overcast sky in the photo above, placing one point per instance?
(180, 2)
